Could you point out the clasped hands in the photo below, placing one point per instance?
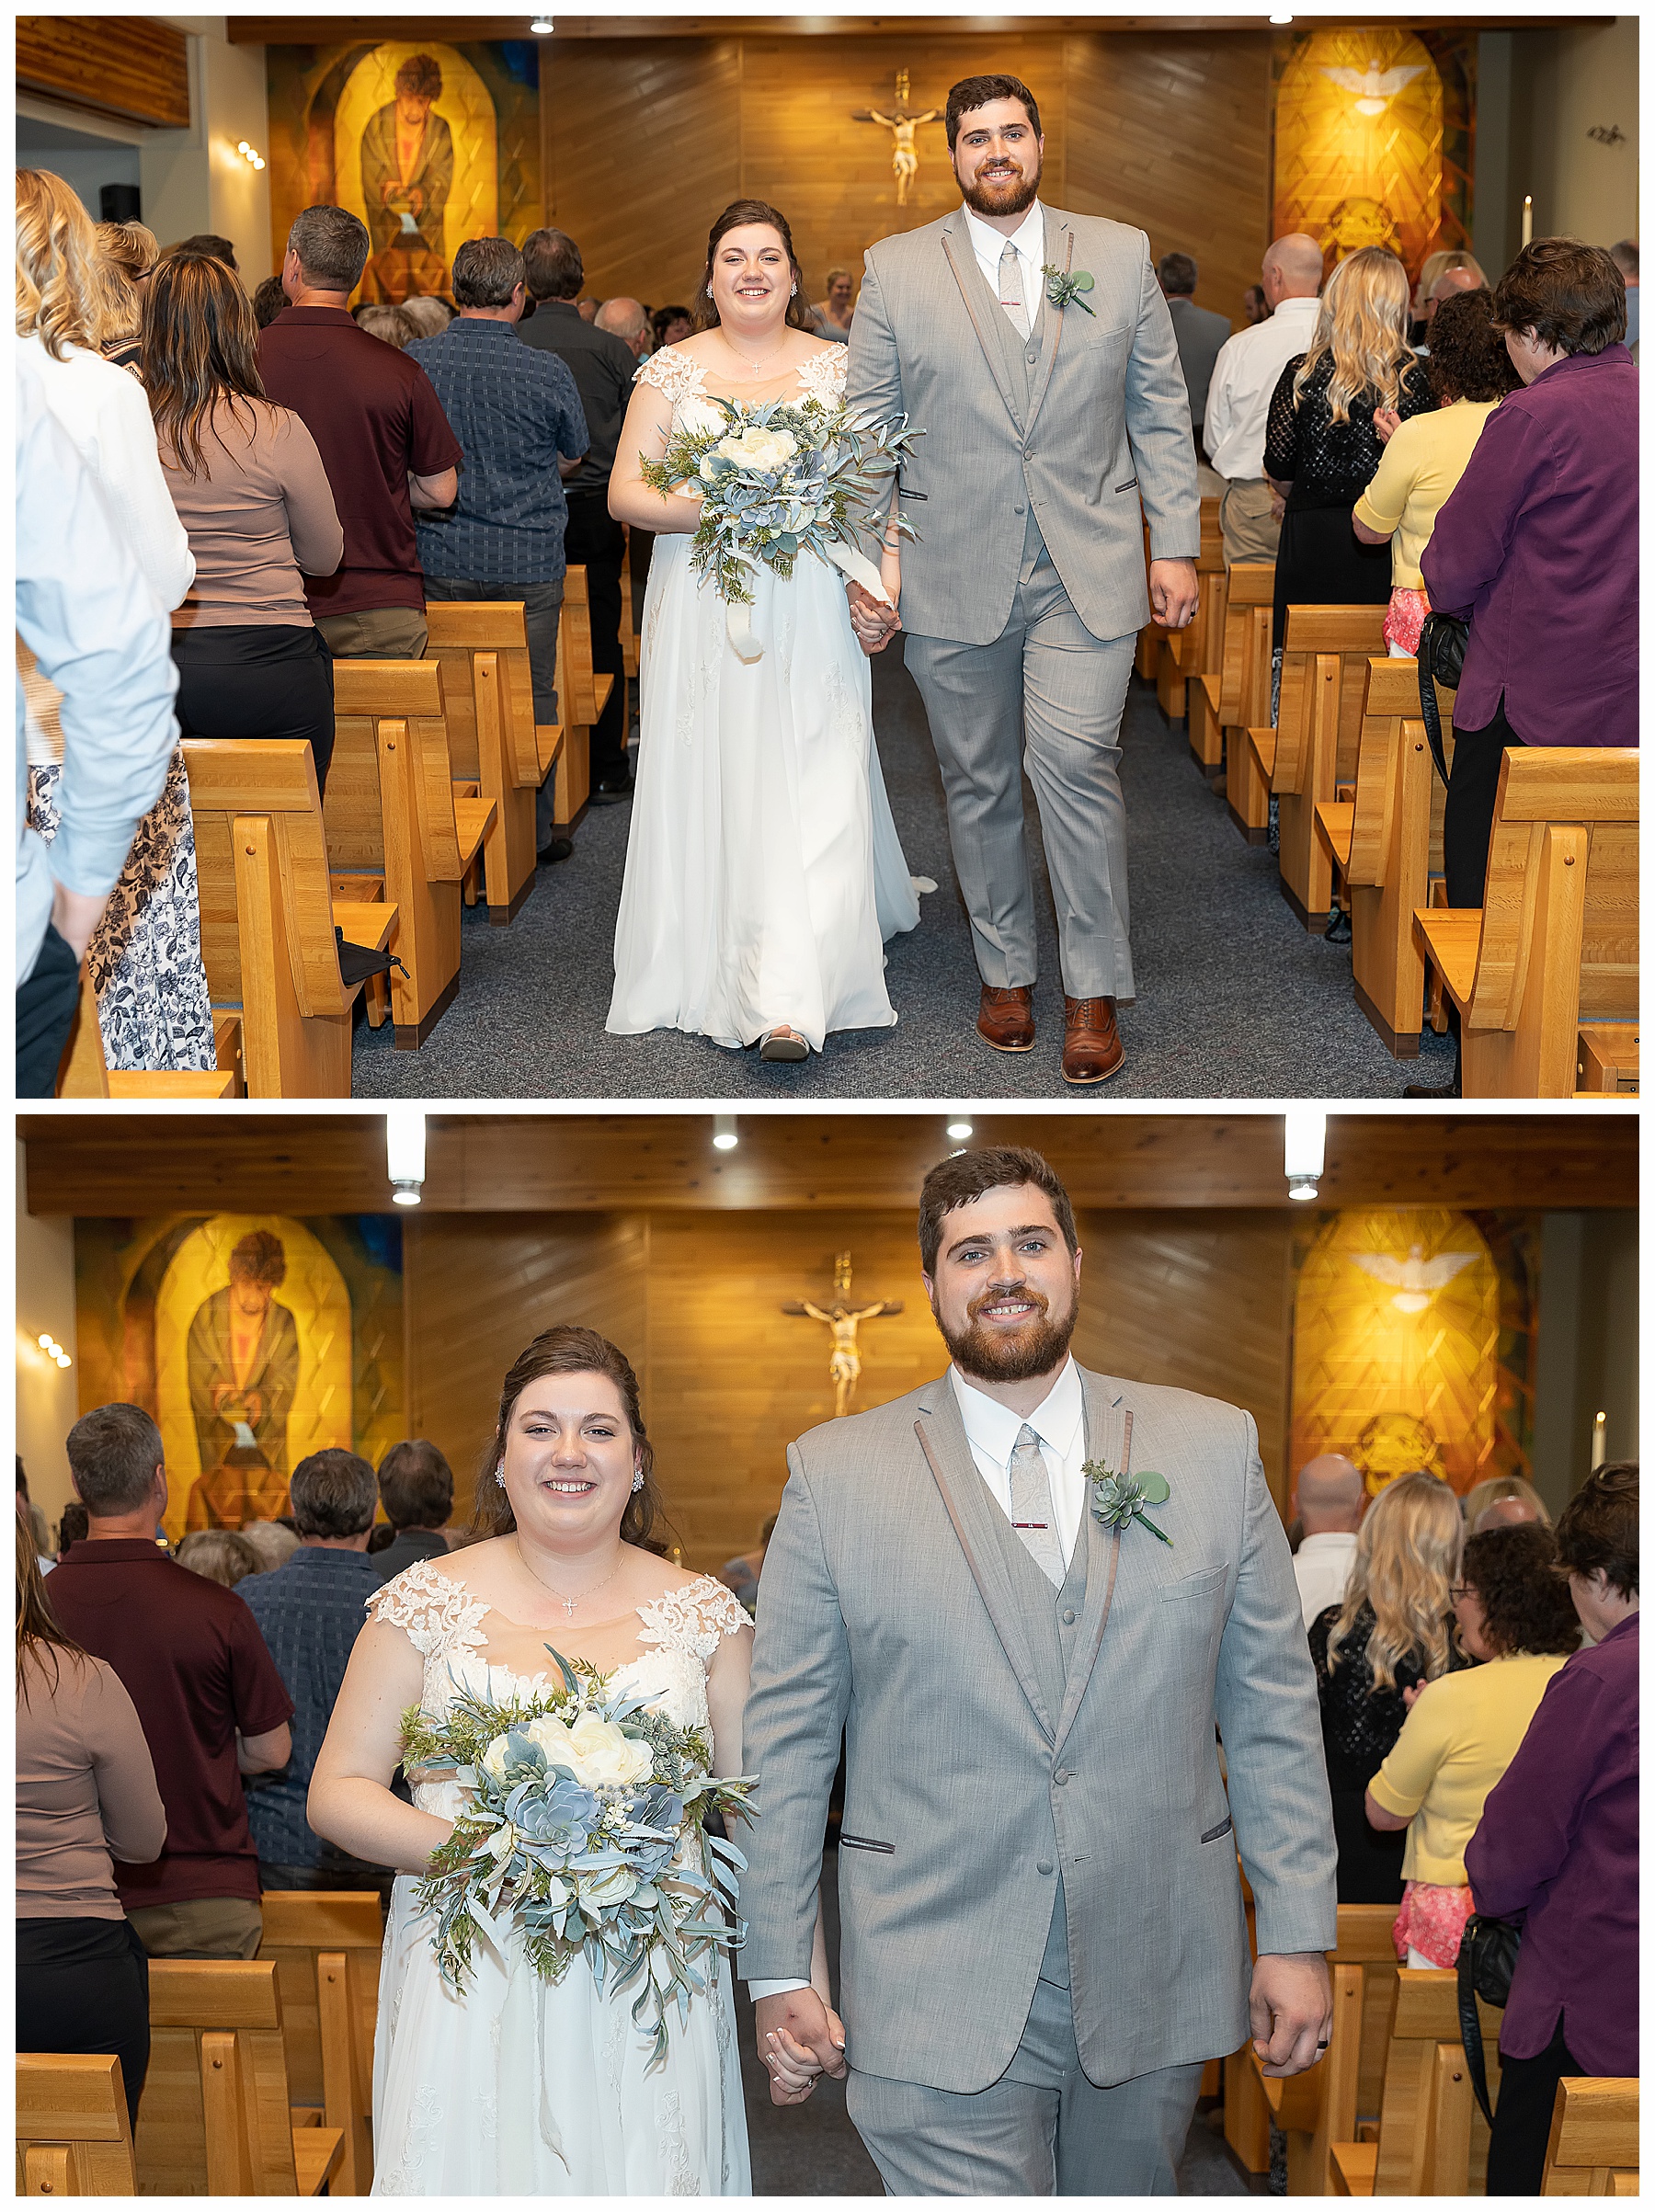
(1174, 595)
(801, 2037)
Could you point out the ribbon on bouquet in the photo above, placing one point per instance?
(849, 559)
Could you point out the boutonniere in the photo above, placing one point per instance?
(1064, 286)
(1119, 1499)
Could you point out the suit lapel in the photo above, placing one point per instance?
(1059, 254)
(942, 1436)
(1107, 1418)
(980, 305)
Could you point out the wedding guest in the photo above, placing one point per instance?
(1625, 258)
(1322, 444)
(208, 242)
(392, 325)
(740, 1575)
(86, 1795)
(209, 1698)
(127, 254)
(88, 621)
(429, 315)
(1513, 1615)
(1255, 307)
(310, 1614)
(1557, 1845)
(269, 302)
(274, 1542)
(518, 416)
(1503, 1501)
(1393, 1631)
(671, 326)
(384, 438)
(1200, 333)
(1431, 269)
(72, 1525)
(1329, 1500)
(1462, 277)
(1243, 381)
(834, 312)
(220, 1555)
(416, 1490)
(627, 320)
(250, 489)
(1469, 373)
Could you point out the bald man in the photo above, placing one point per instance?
(1447, 285)
(627, 320)
(1244, 377)
(1329, 1499)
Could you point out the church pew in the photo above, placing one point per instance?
(1607, 1060)
(1322, 2106)
(1431, 2140)
(1183, 655)
(85, 1072)
(1244, 693)
(267, 917)
(1555, 942)
(215, 2119)
(393, 818)
(73, 2136)
(1386, 843)
(1313, 747)
(1592, 2148)
(1203, 691)
(488, 695)
(326, 1947)
(581, 697)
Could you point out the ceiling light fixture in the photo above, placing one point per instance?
(1306, 1149)
(405, 1153)
(958, 1130)
(1280, 19)
(724, 1133)
(542, 27)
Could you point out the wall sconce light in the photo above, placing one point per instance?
(724, 1133)
(54, 1351)
(959, 1130)
(1307, 1145)
(542, 27)
(250, 153)
(405, 1153)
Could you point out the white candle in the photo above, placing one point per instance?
(1600, 1442)
(1528, 218)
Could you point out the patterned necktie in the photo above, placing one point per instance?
(1011, 289)
(1031, 1515)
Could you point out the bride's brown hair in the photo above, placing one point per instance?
(702, 313)
(566, 1349)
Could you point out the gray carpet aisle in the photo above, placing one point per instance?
(1234, 999)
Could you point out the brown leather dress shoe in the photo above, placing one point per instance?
(1091, 1044)
(1006, 1018)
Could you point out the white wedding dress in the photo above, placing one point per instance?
(515, 2087)
(763, 870)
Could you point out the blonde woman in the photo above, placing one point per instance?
(1393, 1632)
(127, 254)
(146, 956)
(1322, 444)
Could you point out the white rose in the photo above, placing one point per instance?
(494, 1759)
(602, 1754)
(612, 1887)
(502, 1843)
(554, 1739)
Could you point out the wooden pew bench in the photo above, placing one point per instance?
(1554, 943)
(85, 1072)
(1184, 653)
(1431, 2140)
(73, 2136)
(267, 915)
(326, 1947)
(482, 648)
(1592, 2148)
(1313, 747)
(1243, 697)
(581, 697)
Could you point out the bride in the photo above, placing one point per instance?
(763, 872)
(517, 2087)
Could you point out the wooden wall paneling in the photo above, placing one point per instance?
(1172, 136)
(135, 66)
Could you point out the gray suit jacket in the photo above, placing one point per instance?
(1102, 423)
(887, 1608)
(1200, 334)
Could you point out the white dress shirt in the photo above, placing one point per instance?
(1245, 376)
(1029, 238)
(1322, 1567)
(992, 1430)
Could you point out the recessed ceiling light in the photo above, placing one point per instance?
(542, 27)
(724, 1133)
(958, 1130)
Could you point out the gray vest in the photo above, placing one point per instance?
(1021, 358)
(1054, 1622)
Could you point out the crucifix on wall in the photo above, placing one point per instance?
(902, 125)
(843, 1319)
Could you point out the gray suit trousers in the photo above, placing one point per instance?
(1042, 2129)
(1048, 680)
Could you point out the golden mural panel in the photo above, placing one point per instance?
(415, 156)
(1359, 143)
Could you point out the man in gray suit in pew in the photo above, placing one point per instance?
(1035, 350)
(1028, 1594)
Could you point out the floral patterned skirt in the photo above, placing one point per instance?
(146, 956)
(1403, 619)
(1432, 1921)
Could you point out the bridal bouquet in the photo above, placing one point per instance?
(586, 1830)
(778, 480)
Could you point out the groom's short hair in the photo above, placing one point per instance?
(977, 92)
(968, 1175)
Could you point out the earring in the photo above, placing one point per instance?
(501, 1474)
(637, 1480)
(795, 293)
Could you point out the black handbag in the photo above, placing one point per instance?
(1441, 657)
(1487, 1959)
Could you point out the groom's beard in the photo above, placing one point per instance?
(1010, 197)
(1039, 1345)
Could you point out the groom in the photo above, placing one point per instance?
(1041, 1932)
(1045, 425)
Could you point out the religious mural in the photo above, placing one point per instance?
(254, 1339)
(429, 143)
(1412, 1341)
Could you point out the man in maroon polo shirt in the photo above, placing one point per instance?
(211, 1703)
(380, 431)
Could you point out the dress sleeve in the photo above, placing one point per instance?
(1281, 430)
(1381, 507)
(129, 1804)
(672, 370)
(1403, 1782)
(1532, 1815)
(313, 525)
(696, 1617)
(436, 1610)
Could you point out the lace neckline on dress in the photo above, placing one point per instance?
(682, 375)
(440, 1615)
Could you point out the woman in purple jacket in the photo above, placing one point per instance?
(1556, 1846)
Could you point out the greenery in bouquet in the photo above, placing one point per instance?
(778, 480)
(586, 1830)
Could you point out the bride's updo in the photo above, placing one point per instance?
(736, 217)
(566, 1349)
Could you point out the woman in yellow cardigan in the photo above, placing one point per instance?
(1514, 1614)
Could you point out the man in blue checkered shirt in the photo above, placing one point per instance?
(519, 419)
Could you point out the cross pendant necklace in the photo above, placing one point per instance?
(569, 1604)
